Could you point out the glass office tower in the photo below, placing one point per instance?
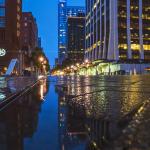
(117, 30)
(73, 11)
(64, 12)
(62, 30)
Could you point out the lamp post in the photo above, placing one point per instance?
(43, 64)
(41, 59)
(86, 61)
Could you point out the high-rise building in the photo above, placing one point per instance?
(29, 32)
(62, 30)
(75, 11)
(76, 38)
(63, 12)
(10, 26)
(117, 30)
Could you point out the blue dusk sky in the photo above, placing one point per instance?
(45, 12)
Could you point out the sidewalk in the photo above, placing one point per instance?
(11, 87)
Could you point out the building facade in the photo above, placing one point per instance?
(73, 11)
(10, 29)
(29, 37)
(76, 38)
(62, 30)
(117, 30)
(63, 12)
(29, 32)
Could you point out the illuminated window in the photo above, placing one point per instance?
(146, 47)
(123, 46)
(135, 46)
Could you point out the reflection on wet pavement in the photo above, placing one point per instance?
(80, 113)
(20, 119)
(12, 85)
(3, 86)
(107, 108)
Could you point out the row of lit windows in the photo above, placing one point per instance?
(134, 8)
(122, 46)
(146, 47)
(123, 56)
(146, 16)
(146, 8)
(18, 17)
(94, 46)
(134, 47)
(76, 51)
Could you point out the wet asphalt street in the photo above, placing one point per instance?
(80, 113)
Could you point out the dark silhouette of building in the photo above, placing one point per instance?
(29, 32)
(20, 121)
(76, 38)
(29, 36)
(10, 27)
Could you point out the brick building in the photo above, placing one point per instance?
(29, 37)
(29, 32)
(10, 29)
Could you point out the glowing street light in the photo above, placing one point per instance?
(44, 67)
(86, 61)
(77, 64)
(41, 59)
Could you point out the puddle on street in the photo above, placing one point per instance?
(79, 113)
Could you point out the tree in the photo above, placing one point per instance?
(35, 58)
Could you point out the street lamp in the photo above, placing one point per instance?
(77, 64)
(41, 59)
(86, 61)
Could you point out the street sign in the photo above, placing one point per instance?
(2, 52)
